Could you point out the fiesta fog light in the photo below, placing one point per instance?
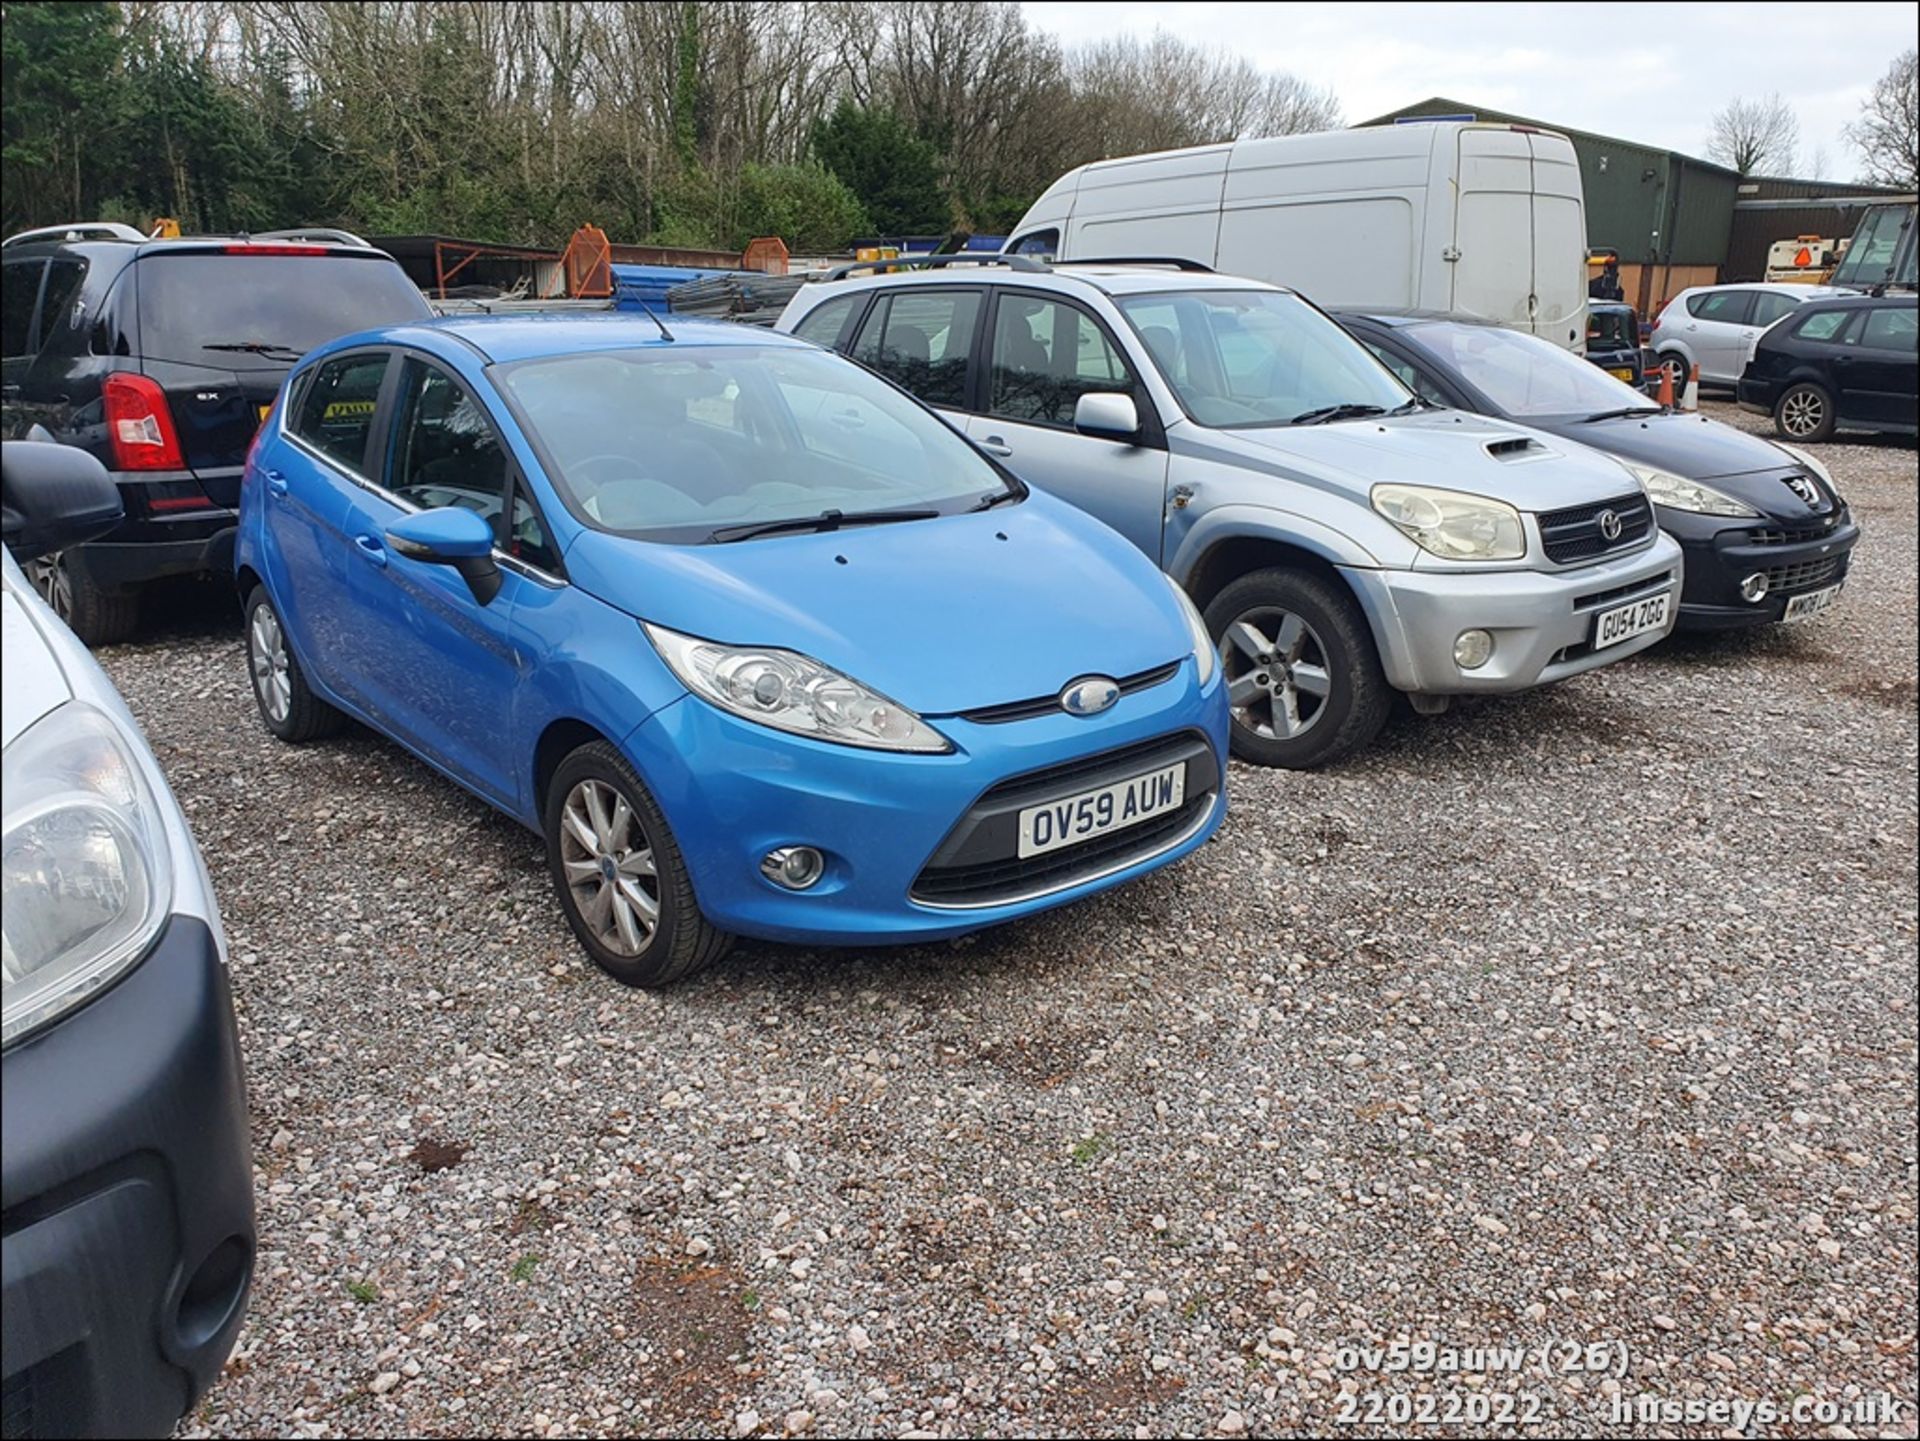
(1754, 587)
(794, 867)
(1473, 649)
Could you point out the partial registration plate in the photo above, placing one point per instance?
(1806, 607)
(1111, 808)
(1624, 622)
(1617, 374)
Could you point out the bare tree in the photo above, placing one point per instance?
(1887, 133)
(1754, 135)
(1818, 166)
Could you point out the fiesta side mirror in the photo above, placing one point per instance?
(450, 535)
(53, 497)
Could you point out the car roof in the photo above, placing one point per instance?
(1778, 287)
(1851, 300)
(1112, 279)
(502, 338)
(1402, 319)
(100, 246)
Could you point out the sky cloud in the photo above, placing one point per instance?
(1652, 73)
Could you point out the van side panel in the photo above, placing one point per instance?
(1335, 216)
(1166, 204)
(1493, 228)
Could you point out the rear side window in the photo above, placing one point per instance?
(921, 341)
(1726, 307)
(257, 311)
(335, 413)
(19, 289)
(1822, 325)
(823, 324)
(1892, 328)
(1768, 307)
(1043, 243)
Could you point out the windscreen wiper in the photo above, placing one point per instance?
(1623, 413)
(1345, 411)
(256, 347)
(999, 497)
(826, 520)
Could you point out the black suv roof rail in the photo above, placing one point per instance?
(1176, 261)
(79, 230)
(1029, 263)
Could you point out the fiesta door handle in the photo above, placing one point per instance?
(371, 549)
(276, 481)
(995, 445)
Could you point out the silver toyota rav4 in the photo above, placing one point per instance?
(1344, 539)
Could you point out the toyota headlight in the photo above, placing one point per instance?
(1677, 493)
(1801, 457)
(1205, 658)
(83, 866)
(1452, 524)
(792, 692)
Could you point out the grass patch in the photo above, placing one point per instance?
(523, 1268)
(365, 1292)
(1091, 1148)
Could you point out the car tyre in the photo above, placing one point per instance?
(287, 703)
(1676, 365)
(1303, 678)
(92, 612)
(619, 874)
(1804, 412)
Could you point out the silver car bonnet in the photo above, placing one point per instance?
(1450, 449)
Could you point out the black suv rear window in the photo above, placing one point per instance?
(251, 312)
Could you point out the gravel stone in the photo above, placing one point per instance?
(1627, 964)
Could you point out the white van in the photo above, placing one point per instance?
(1479, 220)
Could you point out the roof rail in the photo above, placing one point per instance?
(1029, 263)
(1176, 261)
(81, 230)
(328, 234)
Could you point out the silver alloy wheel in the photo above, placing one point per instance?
(609, 867)
(1277, 678)
(54, 581)
(267, 657)
(1802, 413)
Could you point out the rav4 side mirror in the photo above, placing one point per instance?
(1107, 416)
(53, 497)
(450, 535)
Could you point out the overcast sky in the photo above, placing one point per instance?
(1652, 73)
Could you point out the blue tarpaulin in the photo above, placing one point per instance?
(635, 285)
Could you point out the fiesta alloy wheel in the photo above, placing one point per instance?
(619, 874)
(288, 706)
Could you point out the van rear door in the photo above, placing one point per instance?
(1520, 234)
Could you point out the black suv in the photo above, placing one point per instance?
(1848, 363)
(160, 357)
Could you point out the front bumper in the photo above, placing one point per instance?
(1717, 560)
(732, 791)
(1542, 623)
(128, 1184)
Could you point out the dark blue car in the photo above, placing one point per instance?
(756, 641)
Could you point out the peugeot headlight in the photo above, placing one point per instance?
(1801, 457)
(1205, 658)
(1452, 524)
(1677, 493)
(83, 865)
(792, 692)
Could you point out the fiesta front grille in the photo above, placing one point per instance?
(1575, 534)
(978, 864)
(1807, 575)
(1020, 710)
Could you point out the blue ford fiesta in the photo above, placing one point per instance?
(756, 641)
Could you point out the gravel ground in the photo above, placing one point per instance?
(1587, 1015)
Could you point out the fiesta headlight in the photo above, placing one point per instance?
(1453, 524)
(792, 692)
(83, 865)
(1206, 659)
(1677, 493)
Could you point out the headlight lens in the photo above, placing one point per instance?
(1676, 493)
(793, 692)
(1452, 524)
(1802, 458)
(1206, 659)
(83, 865)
